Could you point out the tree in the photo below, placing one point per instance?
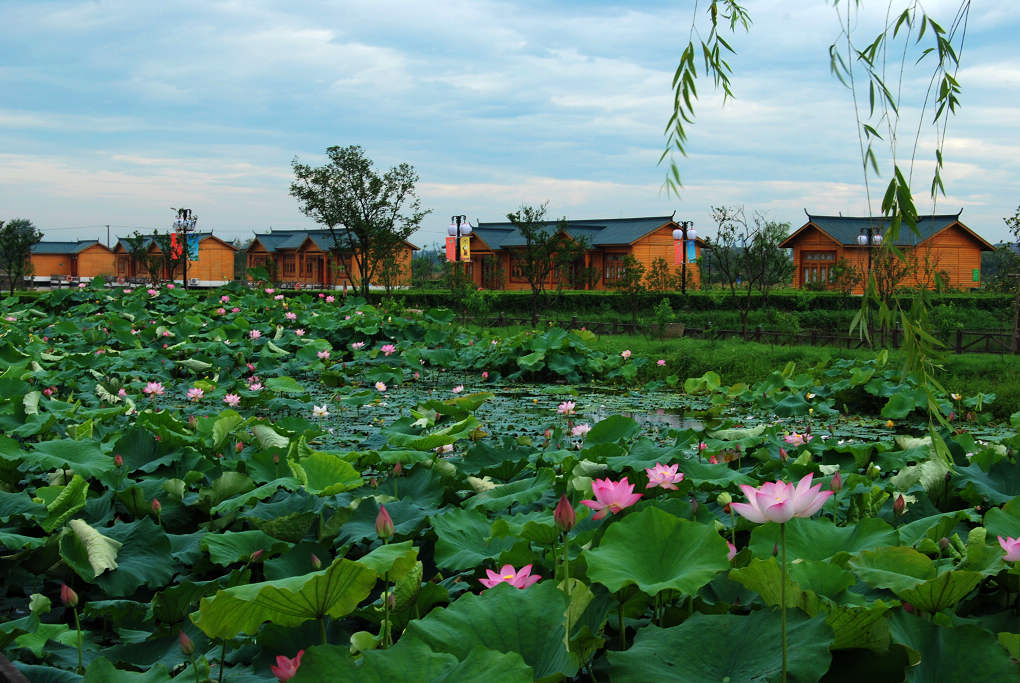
(169, 256)
(546, 247)
(631, 283)
(138, 250)
(771, 261)
(367, 214)
(659, 278)
(17, 236)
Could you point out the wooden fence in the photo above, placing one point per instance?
(962, 341)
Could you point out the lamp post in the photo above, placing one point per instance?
(184, 223)
(684, 232)
(459, 227)
(869, 237)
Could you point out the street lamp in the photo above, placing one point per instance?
(684, 232)
(459, 227)
(184, 223)
(869, 237)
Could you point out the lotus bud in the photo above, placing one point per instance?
(782, 453)
(398, 469)
(118, 460)
(384, 523)
(874, 471)
(157, 507)
(256, 555)
(775, 549)
(239, 446)
(187, 645)
(899, 505)
(837, 482)
(702, 446)
(564, 514)
(316, 562)
(276, 459)
(694, 506)
(68, 596)
(713, 460)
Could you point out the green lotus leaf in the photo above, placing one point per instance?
(1004, 521)
(702, 649)
(143, 560)
(896, 568)
(233, 546)
(325, 474)
(285, 385)
(506, 619)
(68, 502)
(269, 437)
(943, 591)
(1000, 484)
(392, 561)
(87, 551)
(83, 457)
(334, 591)
(820, 539)
(522, 492)
(464, 539)
(20, 504)
(611, 429)
(100, 670)
(657, 551)
(963, 653)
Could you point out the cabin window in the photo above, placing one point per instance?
(614, 267)
(817, 265)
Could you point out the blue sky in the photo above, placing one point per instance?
(116, 110)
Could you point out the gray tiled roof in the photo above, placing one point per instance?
(599, 231)
(148, 239)
(292, 239)
(845, 229)
(62, 247)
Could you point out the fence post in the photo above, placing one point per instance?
(959, 341)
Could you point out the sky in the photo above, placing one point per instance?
(116, 110)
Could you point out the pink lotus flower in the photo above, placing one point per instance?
(255, 334)
(357, 346)
(221, 311)
(384, 523)
(299, 332)
(153, 389)
(278, 297)
(661, 362)
(611, 496)
(1012, 548)
(732, 551)
(564, 514)
(269, 290)
(580, 430)
(387, 349)
(566, 408)
(521, 579)
(285, 668)
(663, 476)
(780, 502)
(235, 309)
(195, 394)
(796, 439)
(121, 392)
(330, 299)
(82, 285)
(323, 355)
(255, 386)
(232, 400)
(48, 391)
(485, 374)
(68, 596)
(457, 389)
(152, 292)
(625, 354)
(290, 315)
(225, 298)
(380, 386)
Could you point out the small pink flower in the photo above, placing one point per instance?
(255, 334)
(235, 309)
(383, 523)
(278, 297)
(321, 295)
(323, 355)
(255, 386)
(225, 298)
(780, 502)
(732, 551)
(611, 496)
(661, 362)
(153, 389)
(195, 394)
(380, 386)
(663, 476)
(232, 400)
(170, 285)
(1012, 548)
(269, 290)
(485, 374)
(580, 430)
(457, 389)
(357, 346)
(290, 315)
(285, 668)
(387, 349)
(330, 299)
(221, 311)
(566, 408)
(521, 579)
(416, 374)
(48, 391)
(82, 285)
(121, 392)
(796, 439)
(625, 353)
(152, 292)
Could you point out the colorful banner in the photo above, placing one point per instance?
(451, 248)
(465, 248)
(692, 252)
(678, 253)
(192, 247)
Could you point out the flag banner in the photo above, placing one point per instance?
(192, 247)
(465, 248)
(678, 253)
(451, 248)
(692, 252)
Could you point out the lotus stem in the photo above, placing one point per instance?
(782, 593)
(77, 627)
(322, 628)
(223, 656)
(623, 635)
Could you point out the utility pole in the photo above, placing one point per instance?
(1016, 317)
(108, 235)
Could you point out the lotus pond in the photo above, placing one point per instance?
(239, 486)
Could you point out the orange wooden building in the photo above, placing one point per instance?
(945, 246)
(215, 264)
(305, 258)
(80, 259)
(496, 249)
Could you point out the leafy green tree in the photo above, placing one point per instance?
(17, 236)
(631, 283)
(659, 278)
(137, 249)
(546, 248)
(167, 263)
(367, 214)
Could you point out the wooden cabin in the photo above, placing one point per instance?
(65, 260)
(945, 247)
(215, 264)
(496, 252)
(306, 258)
